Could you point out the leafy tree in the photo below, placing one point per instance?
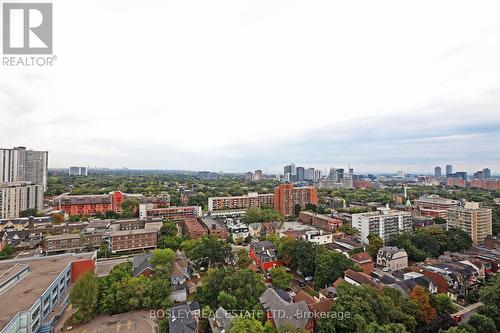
(111, 215)
(245, 325)
(131, 206)
(296, 209)
(74, 218)
(207, 251)
(284, 246)
(169, 228)
(29, 212)
(374, 244)
(329, 266)
(348, 230)
(226, 300)
(311, 207)
(460, 329)
(386, 328)
(169, 242)
(482, 323)
(289, 328)
(444, 304)
(127, 213)
(57, 218)
(281, 278)
(104, 251)
(490, 297)
(302, 254)
(84, 298)
(7, 252)
(162, 260)
(426, 243)
(439, 220)
(457, 240)
(420, 295)
(243, 259)
(260, 215)
(245, 285)
(496, 220)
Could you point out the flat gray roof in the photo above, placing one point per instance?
(43, 270)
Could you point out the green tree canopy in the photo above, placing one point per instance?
(281, 278)
(84, 298)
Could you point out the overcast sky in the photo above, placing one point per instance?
(243, 85)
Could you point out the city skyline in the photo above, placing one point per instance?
(328, 91)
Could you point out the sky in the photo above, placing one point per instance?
(242, 85)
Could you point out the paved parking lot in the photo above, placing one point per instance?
(131, 322)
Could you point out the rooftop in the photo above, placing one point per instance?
(436, 199)
(43, 270)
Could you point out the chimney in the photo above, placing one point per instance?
(214, 226)
(31, 222)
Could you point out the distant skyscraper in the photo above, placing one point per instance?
(437, 172)
(401, 174)
(257, 175)
(449, 170)
(309, 174)
(300, 173)
(78, 171)
(333, 175)
(287, 169)
(22, 165)
(317, 175)
(249, 175)
(487, 173)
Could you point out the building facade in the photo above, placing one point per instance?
(286, 196)
(22, 165)
(435, 206)
(475, 221)
(35, 291)
(213, 227)
(173, 213)
(78, 171)
(392, 258)
(384, 223)
(319, 221)
(237, 205)
(101, 203)
(19, 196)
(192, 229)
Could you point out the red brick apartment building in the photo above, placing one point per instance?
(193, 229)
(101, 203)
(238, 204)
(170, 213)
(286, 196)
(213, 227)
(323, 222)
(488, 184)
(456, 182)
(137, 239)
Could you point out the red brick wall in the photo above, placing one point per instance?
(80, 267)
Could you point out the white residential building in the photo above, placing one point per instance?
(317, 237)
(19, 196)
(384, 223)
(392, 258)
(22, 165)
